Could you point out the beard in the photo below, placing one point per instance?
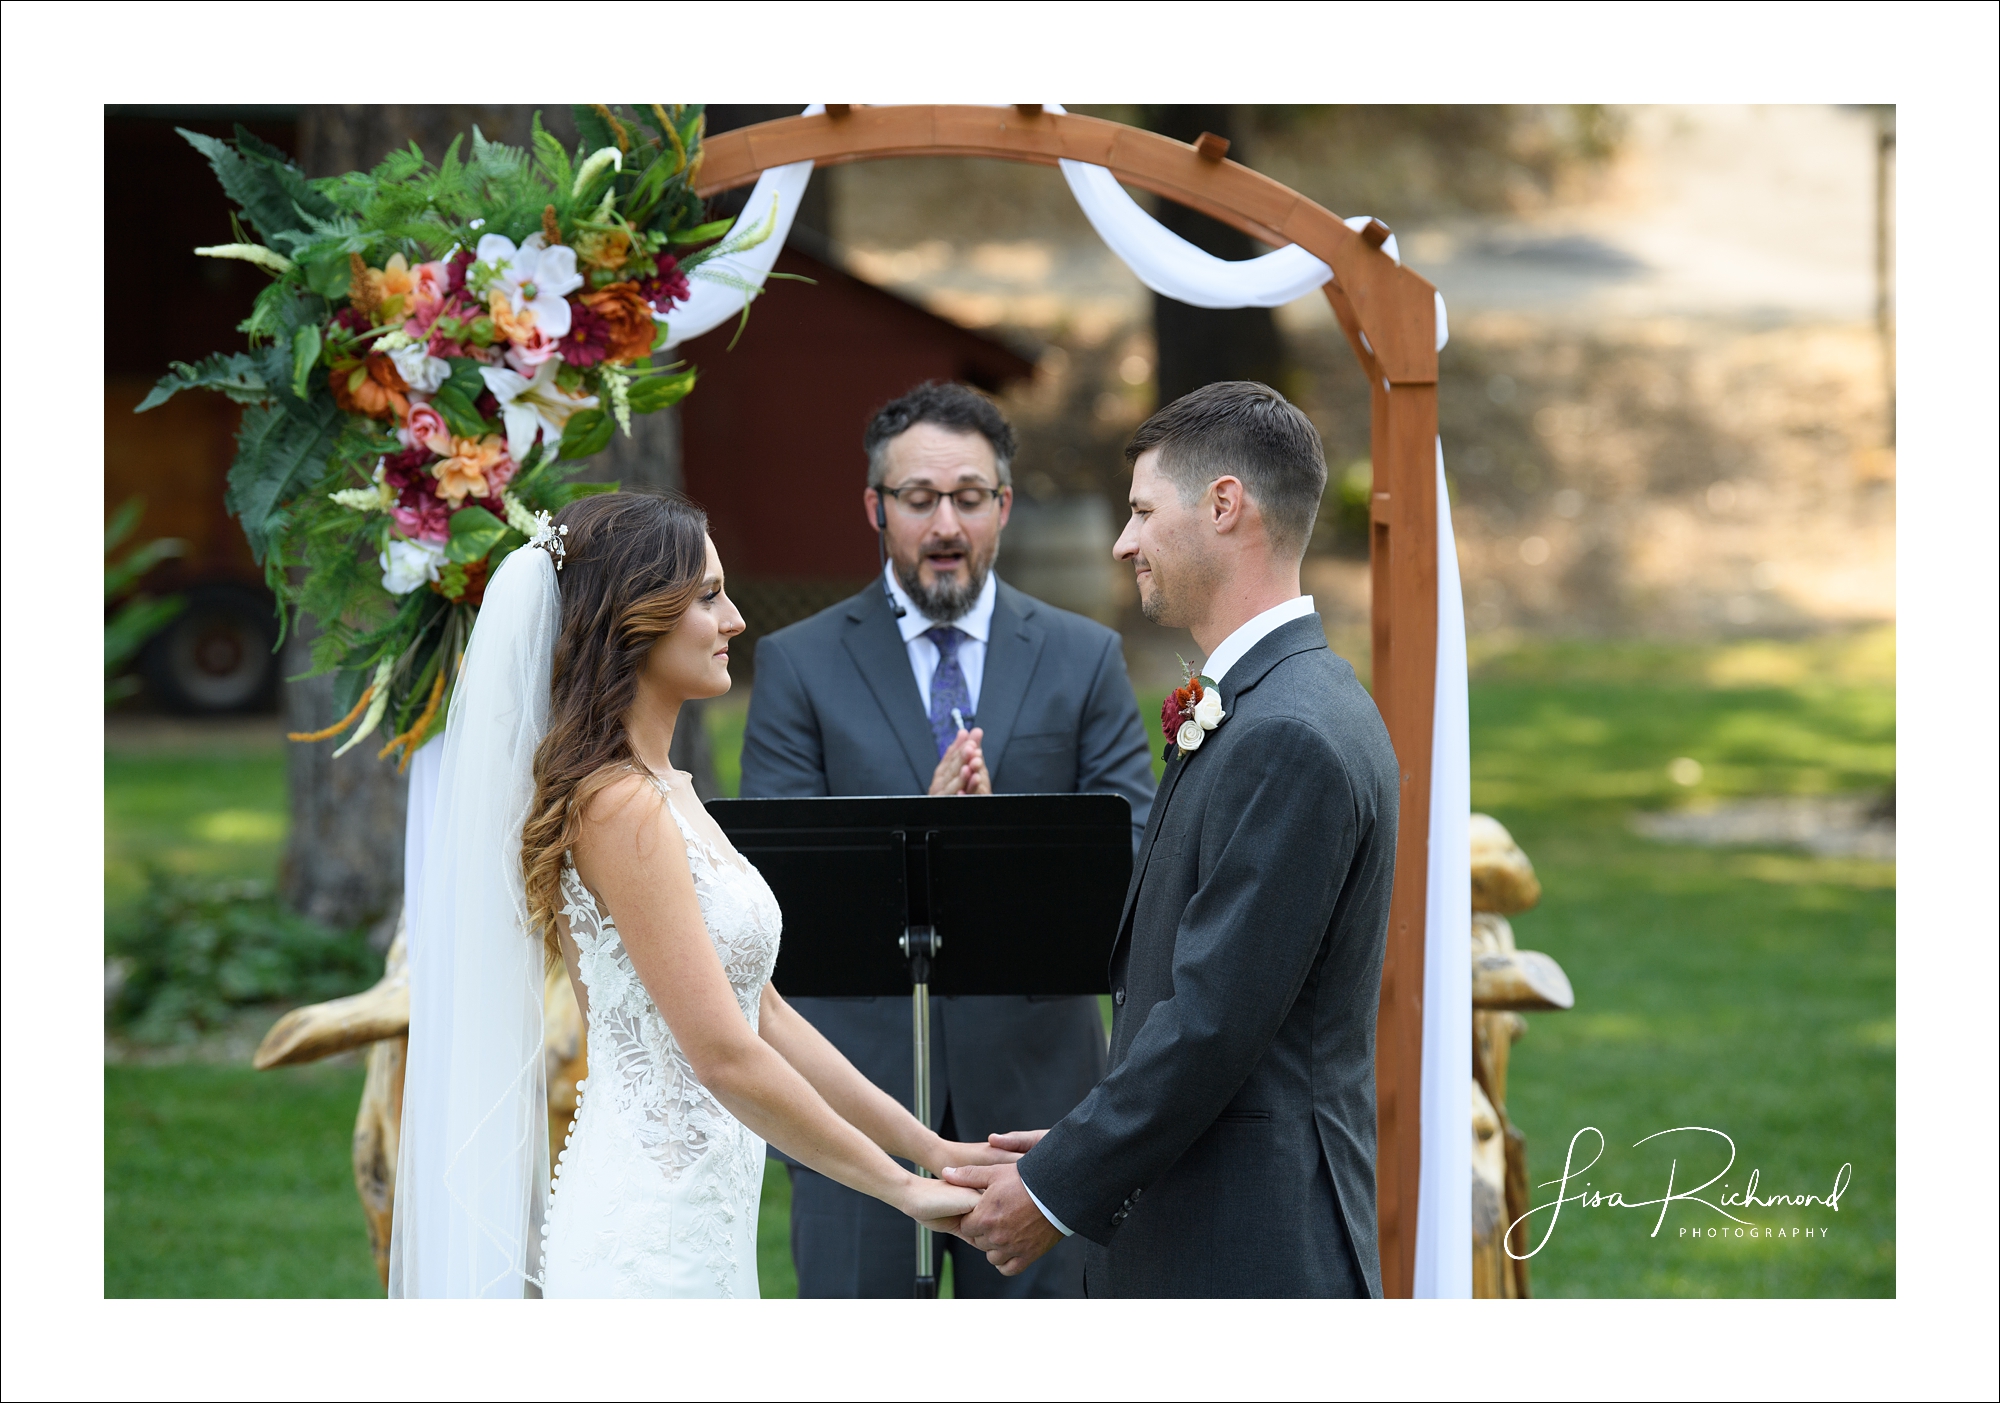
(946, 601)
(1193, 578)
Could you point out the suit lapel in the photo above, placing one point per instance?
(1169, 781)
(879, 653)
(1013, 647)
(1298, 636)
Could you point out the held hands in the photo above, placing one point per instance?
(962, 768)
(937, 1205)
(1004, 1224)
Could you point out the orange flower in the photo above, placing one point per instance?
(372, 387)
(472, 462)
(630, 317)
(517, 327)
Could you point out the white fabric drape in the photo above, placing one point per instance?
(473, 1171)
(718, 289)
(1444, 1184)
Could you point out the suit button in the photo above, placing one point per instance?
(1119, 998)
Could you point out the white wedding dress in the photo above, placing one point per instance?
(657, 1189)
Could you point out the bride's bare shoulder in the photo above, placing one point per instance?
(628, 808)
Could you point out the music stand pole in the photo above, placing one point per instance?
(920, 943)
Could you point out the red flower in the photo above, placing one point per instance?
(409, 468)
(455, 271)
(589, 339)
(1178, 709)
(667, 286)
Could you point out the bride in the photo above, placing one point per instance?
(562, 831)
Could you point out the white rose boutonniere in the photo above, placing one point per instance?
(1191, 711)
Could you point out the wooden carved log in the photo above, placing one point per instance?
(320, 1030)
(1490, 1277)
(1505, 981)
(379, 1020)
(1503, 879)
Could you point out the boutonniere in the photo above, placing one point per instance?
(1191, 710)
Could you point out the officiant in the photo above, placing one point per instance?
(941, 678)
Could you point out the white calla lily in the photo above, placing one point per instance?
(528, 406)
(536, 278)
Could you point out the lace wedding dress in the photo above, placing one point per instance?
(656, 1191)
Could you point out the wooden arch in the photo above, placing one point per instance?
(1389, 316)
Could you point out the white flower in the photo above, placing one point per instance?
(1208, 711)
(528, 405)
(533, 277)
(518, 516)
(421, 371)
(1191, 736)
(410, 565)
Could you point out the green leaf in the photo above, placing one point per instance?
(253, 184)
(126, 632)
(459, 415)
(122, 521)
(328, 275)
(474, 532)
(305, 355)
(565, 493)
(465, 377)
(278, 453)
(702, 233)
(117, 577)
(657, 392)
(588, 431)
(239, 376)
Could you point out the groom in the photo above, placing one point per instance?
(1230, 1148)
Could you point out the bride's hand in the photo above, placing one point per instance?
(935, 1204)
(941, 1153)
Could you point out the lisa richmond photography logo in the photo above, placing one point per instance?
(1717, 1207)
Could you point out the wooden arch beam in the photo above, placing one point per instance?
(1388, 314)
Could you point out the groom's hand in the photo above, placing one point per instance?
(1006, 1225)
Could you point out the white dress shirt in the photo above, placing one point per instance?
(976, 625)
(1226, 655)
(1248, 635)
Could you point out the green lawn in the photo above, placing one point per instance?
(1752, 992)
(1748, 991)
(220, 1181)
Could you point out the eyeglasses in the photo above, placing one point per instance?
(922, 501)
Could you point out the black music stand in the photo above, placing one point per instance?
(1028, 886)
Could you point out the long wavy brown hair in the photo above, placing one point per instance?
(634, 563)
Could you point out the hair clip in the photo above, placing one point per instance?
(549, 537)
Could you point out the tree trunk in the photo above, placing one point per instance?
(343, 861)
(1197, 346)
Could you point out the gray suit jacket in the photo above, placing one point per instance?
(836, 710)
(1231, 1147)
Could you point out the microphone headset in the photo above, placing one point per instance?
(882, 541)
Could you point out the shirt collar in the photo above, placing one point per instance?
(1248, 635)
(977, 622)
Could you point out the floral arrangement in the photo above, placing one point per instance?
(439, 349)
(1191, 710)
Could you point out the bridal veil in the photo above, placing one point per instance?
(473, 1171)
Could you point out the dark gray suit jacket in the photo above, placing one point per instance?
(836, 710)
(1230, 1150)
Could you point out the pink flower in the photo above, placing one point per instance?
(426, 429)
(422, 516)
(497, 477)
(525, 356)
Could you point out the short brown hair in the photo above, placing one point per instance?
(1243, 429)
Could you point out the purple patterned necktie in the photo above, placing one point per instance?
(948, 688)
